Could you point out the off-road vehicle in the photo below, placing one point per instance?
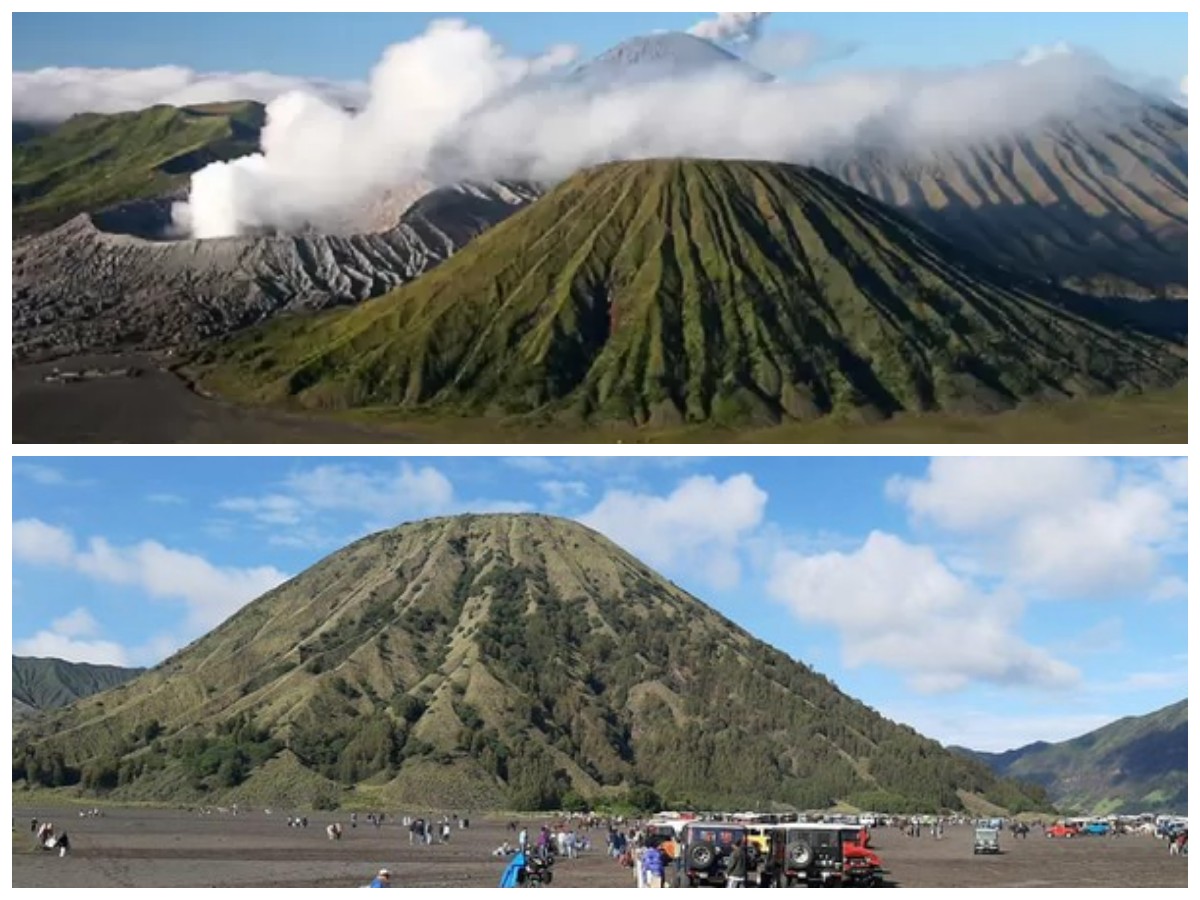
(820, 855)
(706, 848)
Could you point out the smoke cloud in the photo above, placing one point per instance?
(730, 27)
(452, 105)
(55, 94)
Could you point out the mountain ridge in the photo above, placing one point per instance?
(672, 291)
(42, 683)
(1135, 764)
(495, 661)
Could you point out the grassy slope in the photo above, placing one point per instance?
(94, 161)
(1137, 764)
(675, 292)
(50, 683)
(492, 650)
(1156, 417)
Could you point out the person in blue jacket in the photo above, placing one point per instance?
(382, 880)
(512, 874)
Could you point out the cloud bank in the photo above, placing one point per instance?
(210, 593)
(452, 104)
(55, 94)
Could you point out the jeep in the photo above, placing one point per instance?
(808, 854)
(706, 847)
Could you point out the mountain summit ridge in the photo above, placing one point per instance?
(499, 661)
(665, 292)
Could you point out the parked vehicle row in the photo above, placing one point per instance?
(795, 854)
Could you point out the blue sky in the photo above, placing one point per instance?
(984, 601)
(345, 45)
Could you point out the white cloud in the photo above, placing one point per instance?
(997, 732)
(209, 592)
(74, 637)
(58, 646)
(895, 604)
(730, 27)
(271, 509)
(559, 493)
(388, 495)
(385, 497)
(971, 493)
(54, 94)
(47, 476)
(1183, 91)
(1069, 526)
(1155, 681)
(453, 104)
(700, 525)
(1039, 53)
(36, 542)
(76, 624)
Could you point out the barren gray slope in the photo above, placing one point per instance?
(84, 287)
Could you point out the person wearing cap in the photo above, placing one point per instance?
(382, 880)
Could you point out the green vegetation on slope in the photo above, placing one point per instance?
(40, 684)
(496, 662)
(670, 292)
(94, 161)
(1136, 764)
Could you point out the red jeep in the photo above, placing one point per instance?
(1062, 830)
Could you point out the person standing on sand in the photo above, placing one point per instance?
(523, 840)
(735, 868)
(653, 867)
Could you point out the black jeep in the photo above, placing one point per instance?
(706, 848)
(810, 855)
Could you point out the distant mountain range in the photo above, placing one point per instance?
(43, 684)
(1137, 764)
(493, 662)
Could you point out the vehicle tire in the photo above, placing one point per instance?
(701, 856)
(547, 877)
(800, 854)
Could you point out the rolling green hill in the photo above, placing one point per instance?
(41, 684)
(94, 161)
(668, 292)
(505, 661)
(1137, 764)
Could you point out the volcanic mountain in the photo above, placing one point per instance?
(656, 57)
(110, 281)
(504, 661)
(43, 683)
(676, 291)
(1134, 765)
(1097, 202)
(92, 161)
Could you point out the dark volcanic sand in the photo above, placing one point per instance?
(160, 848)
(157, 407)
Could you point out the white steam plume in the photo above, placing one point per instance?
(730, 27)
(451, 105)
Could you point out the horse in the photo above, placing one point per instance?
(334, 831)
